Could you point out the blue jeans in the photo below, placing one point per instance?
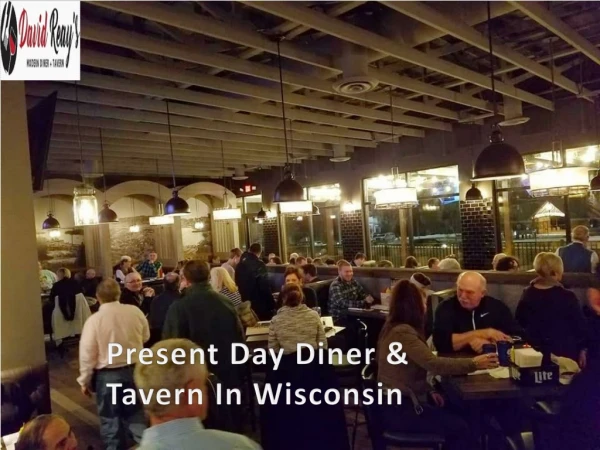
(117, 418)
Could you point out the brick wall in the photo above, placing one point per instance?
(478, 234)
(351, 224)
(270, 236)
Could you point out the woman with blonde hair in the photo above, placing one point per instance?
(222, 282)
(550, 314)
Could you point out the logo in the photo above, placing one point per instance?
(46, 37)
(8, 33)
(483, 314)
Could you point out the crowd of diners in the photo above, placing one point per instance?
(200, 306)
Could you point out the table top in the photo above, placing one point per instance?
(367, 313)
(486, 387)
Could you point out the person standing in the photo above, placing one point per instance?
(114, 323)
(178, 424)
(232, 262)
(206, 318)
(576, 256)
(222, 283)
(161, 304)
(252, 279)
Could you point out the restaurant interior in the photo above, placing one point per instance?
(404, 138)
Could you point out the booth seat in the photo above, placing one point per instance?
(504, 286)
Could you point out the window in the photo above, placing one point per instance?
(529, 225)
(318, 234)
(250, 229)
(432, 229)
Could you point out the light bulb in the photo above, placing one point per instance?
(134, 229)
(54, 234)
(199, 225)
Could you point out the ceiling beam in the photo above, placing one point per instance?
(545, 18)
(66, 92)
(186, 148)
(181, 151)
(127, 65)
(213, 125)
(134, 87)
(68, 119)
(360, 36)
(138, 42)
(210, 27)
(197, 23)
(461, 30)
(153, 138)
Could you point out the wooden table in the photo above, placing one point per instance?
(485, 387)
(477, 391)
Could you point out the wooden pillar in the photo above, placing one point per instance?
(330, 235)
(97, 249)
(508, 235)
(403, 214)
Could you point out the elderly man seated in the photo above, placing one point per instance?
(471, 318)
(177, 424)
(136, 294)
(151, 267)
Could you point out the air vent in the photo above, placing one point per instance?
(239, 175)
(513, 113)
(355, 79)
(355, 85)
(339, 154)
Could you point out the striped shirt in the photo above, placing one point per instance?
(293, 326)
(234, 297)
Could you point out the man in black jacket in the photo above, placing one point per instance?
(253, 282)
(471, 319)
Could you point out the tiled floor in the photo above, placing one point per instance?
(80, 411)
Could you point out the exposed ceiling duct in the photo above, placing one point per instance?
(239, 174)
(513, 113)
(340, 154)
(354, 61)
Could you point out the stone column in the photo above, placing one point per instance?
(271, 237)
(351, 228)
(23, 355)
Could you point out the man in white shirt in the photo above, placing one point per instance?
(114, 323)
(232, 262)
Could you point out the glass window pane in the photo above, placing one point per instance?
(297, 230)
(435, 230)
(529, 225)
(326, 231)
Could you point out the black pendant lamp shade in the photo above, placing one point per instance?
(498, 160)
(50, 223)
(473, 194)
(177, 206)
(261, 215)
(595, 183)
(288, 189)
(107, 215)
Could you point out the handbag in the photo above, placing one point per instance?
(247, 316)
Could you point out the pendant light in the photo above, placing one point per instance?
(261, 215)
(160, 218)
(288, 189)
(85, 205)
(198, 223)
(226, 213)
(473, 194)
(400, 195)
(498, 160)
(106, 215)
(50, 223)
(562, 180)
(175, 206)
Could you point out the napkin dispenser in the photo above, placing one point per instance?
(528, 368)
